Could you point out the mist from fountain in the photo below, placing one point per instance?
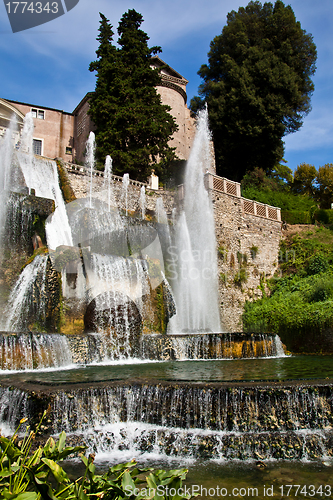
(194, 269)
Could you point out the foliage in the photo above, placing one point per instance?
(324, 216)
(132, 124)
(257, 84)
(304, 177)
(27, 475)
(241, 276)
(324, 192)
(286, 200)
(296, 217)
(301, 300)
(276, 188)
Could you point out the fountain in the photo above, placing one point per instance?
(90, 163)
(125, 191)
(143, 202)
(195, 267)
(149, 372)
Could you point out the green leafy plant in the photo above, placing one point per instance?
(241, 277)
(27, 475)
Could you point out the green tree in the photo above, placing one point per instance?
(132, 125)
(257, 85)
(304, 179)
(324, 192)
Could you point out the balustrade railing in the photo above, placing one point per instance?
(251, 207)
(98, 173)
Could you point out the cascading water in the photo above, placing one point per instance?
(42, 176)
(188, 420)
(34, 351)
(117, 286)
(194, 268)
(27, 297)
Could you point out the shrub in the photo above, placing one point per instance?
(296, 217)
(317, 264)
(323, 216)
(322, 290)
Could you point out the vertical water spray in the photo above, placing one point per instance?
(195, 273)
(161, 215)
(143, 202)
(90, 163)
(125, 190)
(108, 179)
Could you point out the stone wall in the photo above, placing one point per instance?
(248, 253)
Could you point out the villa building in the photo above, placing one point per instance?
(62, 134)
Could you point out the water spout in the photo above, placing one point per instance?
(195, 268)
(125, 191)
(142, 202)
(90, 163)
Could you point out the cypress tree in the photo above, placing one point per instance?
(132, 125)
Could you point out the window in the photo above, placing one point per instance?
(37, 146)
(69, 150)
(38, 113)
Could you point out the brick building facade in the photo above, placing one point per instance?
(61, 134)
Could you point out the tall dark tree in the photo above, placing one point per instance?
(132, 125)
(257, 85)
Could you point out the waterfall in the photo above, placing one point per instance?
(211, 346)
(198, 422)
(42, 176)
(28, 296)
(34, 351)
(192, 421)
(116, 288)
(195, 272)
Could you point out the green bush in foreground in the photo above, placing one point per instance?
(31, 476)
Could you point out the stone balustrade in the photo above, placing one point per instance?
(232, 188)
(81, 170)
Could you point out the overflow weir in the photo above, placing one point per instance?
(268, 420)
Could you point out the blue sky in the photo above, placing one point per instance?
(48, 65)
